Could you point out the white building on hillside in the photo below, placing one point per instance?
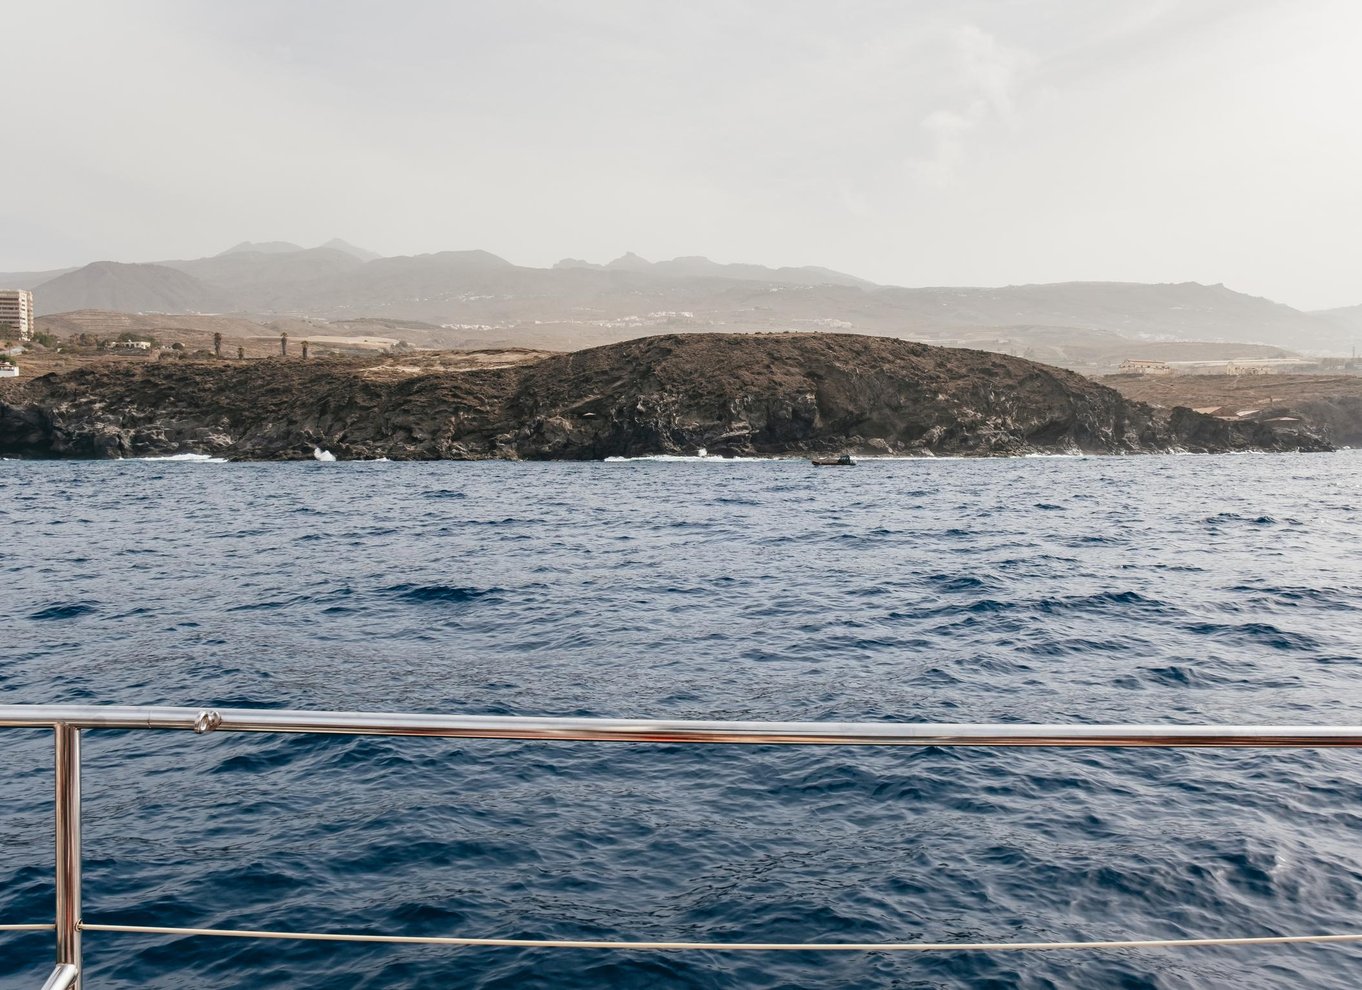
(1134, 366)
(16, 313)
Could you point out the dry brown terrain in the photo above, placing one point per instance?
(372, 367)
(256, 340)
(1089, 351)
(1239, 391)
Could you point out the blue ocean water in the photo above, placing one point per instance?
(1167, 589)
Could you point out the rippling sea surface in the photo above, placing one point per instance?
(1162, 589)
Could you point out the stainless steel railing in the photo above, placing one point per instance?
(68, 721)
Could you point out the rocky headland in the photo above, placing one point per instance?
(729, 394)
(1329, 406)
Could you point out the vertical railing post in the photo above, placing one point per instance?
(68, 847)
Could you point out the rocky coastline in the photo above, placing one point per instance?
(728, 394)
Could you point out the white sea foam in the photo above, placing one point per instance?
(689, 459)
(865, 458)
(323, 455)
(196, 458)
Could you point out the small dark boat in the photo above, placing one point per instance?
(843, 461)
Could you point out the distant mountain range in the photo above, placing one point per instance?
(1348, 317)
(473, 297)
(284, 247)
(697, 267)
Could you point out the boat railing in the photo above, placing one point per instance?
(68, 722)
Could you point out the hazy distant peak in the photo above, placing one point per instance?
(336, 244)
(107, 269)
(630, 262)
(456, 260)
(475, 257)
(835, 277)
(1347, 317)
(127, 288)
(698, 266)
(810, 275)
(263, 247)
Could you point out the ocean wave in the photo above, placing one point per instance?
(1257, 634)
(58, 611)
(439, 594)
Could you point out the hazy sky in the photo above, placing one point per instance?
(916, 142)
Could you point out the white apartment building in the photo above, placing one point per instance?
(16, 313)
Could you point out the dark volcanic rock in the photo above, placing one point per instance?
(733, 394)
(1338, 419)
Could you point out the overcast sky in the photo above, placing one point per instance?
(914, 142)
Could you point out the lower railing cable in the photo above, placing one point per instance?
(545, 943)
(28, 928)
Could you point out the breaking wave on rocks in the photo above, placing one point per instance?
(187, 458)
(685, 458)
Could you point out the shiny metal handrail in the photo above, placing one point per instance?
(67, 721)
(570, 943)
(203, 720)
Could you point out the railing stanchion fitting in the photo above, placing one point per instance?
(67, 767)
(63, 977)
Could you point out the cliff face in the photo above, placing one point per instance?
(1338, 419)
(1328, 406)
(732, 394)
